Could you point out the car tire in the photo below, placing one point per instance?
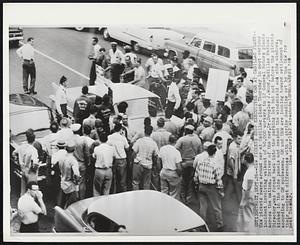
(79, 28)
(135, 47)
(106, 35)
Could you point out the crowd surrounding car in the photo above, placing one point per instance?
(104, 214)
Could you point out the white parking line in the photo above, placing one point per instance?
(58, 62)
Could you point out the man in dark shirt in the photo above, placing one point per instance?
(82, 106)
(105, 112)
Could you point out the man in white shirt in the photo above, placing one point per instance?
(170, 175)
(26, 53)
(241, 90)
(219, 157)
(104, 155)
(92, 118)
(27, 155)
(192, 65)
(65, 134)
(117, 61)
(30, 205)
(93, 57)
(128, 52)
(226, 137)
(120, 143)
(173, 97)
(154, 68)
(61, 98)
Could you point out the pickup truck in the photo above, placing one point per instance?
(213, 51)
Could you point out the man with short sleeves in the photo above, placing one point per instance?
(30, 205)
(104, 155)
(117, 62)
(173, 96)
(192, 66)
(220, 132)
(145, 152)
(26, 53)
(154, 68)
(61, 98)
(208, 132)
(90, 121)
(93, 57)
(170, 175)
(120, 143)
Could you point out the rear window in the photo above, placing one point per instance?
(196, 42)
(208, 46)
(223, 51)
(245, 54)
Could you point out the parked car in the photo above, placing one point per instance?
(26, 112)
(214, 51)
(15, 35)
(143, 212)
(143, 39)
(140, 101)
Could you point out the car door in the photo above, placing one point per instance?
(207, 56)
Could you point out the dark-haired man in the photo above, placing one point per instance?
(61, 98)
(30, 205)
(93, 57)
(192, 65)
(82, 106)
(26, 53)
(92, 118)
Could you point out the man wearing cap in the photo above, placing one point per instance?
(26, 154)
(30, 205)
(116, 60)
(189, 146)
(120, 143)
(209, 184)
(208, 131)
(61, 98)
(104, 155)
(93, 57)
(82, 106)
(145, 152)
(69, 177)
(82, 155)
(170, 175)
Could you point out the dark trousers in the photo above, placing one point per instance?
(209, 195)
(233, 192)
(119, 178)
(93, 75)
(63, 108)
(29, 228)
(29, 70)
(170, 107)
(64, 200)
(116, 71)
(187, 184)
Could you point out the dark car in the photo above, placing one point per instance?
(143, 212)
(15, 35)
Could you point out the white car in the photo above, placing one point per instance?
(149, 39)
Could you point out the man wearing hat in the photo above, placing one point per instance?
(209, 184)
(116, 61)
(189, 146)
(208, 131)
(69, 177)
(56, 158)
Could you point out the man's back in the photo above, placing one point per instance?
(145, 148)
(189, 146)
(161, 137)
(81, 107)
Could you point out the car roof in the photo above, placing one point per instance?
(146, 211)
(121, 92)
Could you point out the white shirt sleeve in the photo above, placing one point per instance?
(177, 96)
(58, 100)
(19, 52)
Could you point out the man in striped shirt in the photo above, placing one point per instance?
(208, 179)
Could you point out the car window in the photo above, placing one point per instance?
(196, 42)
(209, 46)
(101, 223)
(245, 54)
(223, 51)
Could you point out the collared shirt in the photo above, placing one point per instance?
(240, 120)
(26, 52)
(29, 209)
(89, 121)
(27, 153)
(154, 70)
(189, 146)
(49, 143)
(206, 170)
(191, 71)
(133, 57)
(58, 156)
(207, 134)
(225, 137)
(96, 51)
(173, 95)
(145, 148)
(161, 137)
(114, 56)
(234, 154)
(169, 156)
(104, 154)
(65, 134)
(120, 143)
(220, 161)
(241, 94)
(68, 168)
(60, 98)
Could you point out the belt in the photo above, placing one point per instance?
(169, 169)
(102, 168)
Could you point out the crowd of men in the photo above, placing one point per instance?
(210, 155)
